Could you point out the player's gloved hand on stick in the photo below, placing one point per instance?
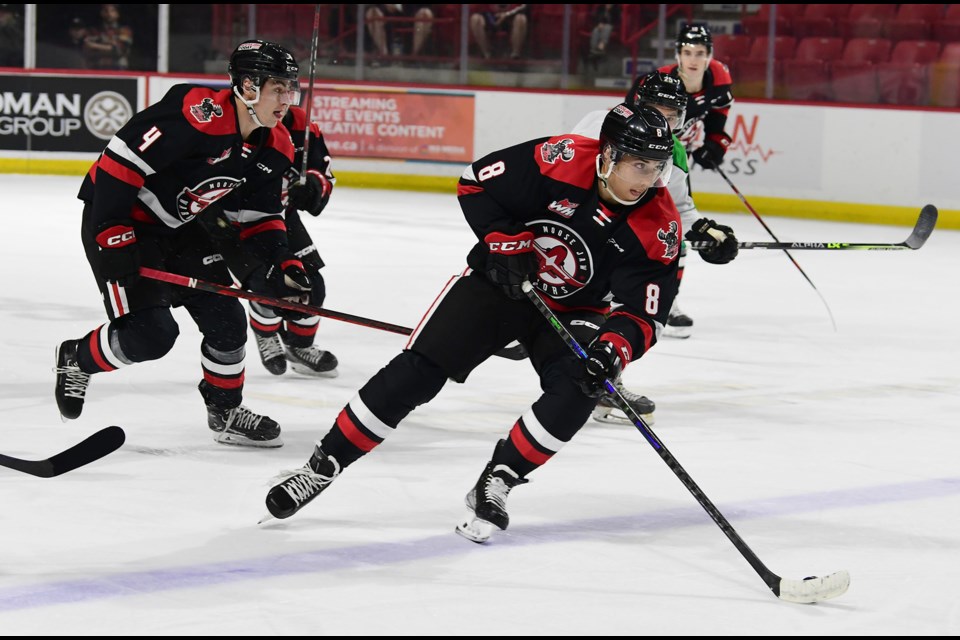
(287, 279)
(705, 230)
(119, 253)
(604, 361)
(710, 155)
(311, 196)
(511, 260)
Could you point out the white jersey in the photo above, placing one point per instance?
(678, 186)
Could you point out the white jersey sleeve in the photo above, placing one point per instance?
(589, 125)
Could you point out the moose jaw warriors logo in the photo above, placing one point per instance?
(562, 149)
(192, 202)
(206, 110)
(671, 241)
(566, 265)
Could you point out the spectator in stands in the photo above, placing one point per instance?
(73, 57)
(108, 45)
(606, 18)
(507, 18)
(11, 37)
(384, 33)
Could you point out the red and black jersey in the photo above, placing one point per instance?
(591, 254)
(709, 106)
(179, 156)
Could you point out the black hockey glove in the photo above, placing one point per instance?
(119, 253)
(710, 155)
(603, 362)
(311, 196)
(510, 261)
(705, 230)
(286, 279)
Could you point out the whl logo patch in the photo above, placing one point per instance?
(563, 207)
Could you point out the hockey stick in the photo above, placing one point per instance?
(309, 101)
(233, 292)
(93, 448)
(921, 231)
(776, 239)
(808, 590)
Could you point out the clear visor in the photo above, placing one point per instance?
(670, 114)
(281, 90)
(635, 170)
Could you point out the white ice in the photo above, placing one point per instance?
(826, 450)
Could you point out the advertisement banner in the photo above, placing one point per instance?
(404, 125)
(63, 113)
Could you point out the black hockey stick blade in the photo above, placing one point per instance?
(924, 227)
(98, 445)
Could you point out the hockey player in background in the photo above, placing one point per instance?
(282, 335)
(666, 94)
(196, 149)
(586, 222)
(709, 97)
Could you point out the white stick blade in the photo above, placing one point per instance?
(814, 589)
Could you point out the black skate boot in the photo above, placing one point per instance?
(607, 411)
(271, 353)
(310, 361)
(302, 485)
(487, 502)
(679, 324)
(240, 426)
(71, 388)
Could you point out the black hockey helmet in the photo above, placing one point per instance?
(658, 88)
(637, 130)
(259, 60)
(693, 34)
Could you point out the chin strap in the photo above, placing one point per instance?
(603, 179)
(249, 105)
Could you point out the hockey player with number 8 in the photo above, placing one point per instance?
(585, 221)
(196, 150)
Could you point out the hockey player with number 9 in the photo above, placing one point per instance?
(586, 222)
(195, 151)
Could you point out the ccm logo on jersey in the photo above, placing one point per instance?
(116, 236)
(563, 207)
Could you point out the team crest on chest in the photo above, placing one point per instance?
(562, 149)
(671, 241)
(566, 264)
(192, 202)
(206, 111)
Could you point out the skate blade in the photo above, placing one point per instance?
(614, 416)
(267, 517)
(310, 373)
(240, 441)
(474, 529)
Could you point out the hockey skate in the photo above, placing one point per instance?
(71, 387)
(240, 426)
(310, 361)
(679, 324)
(487, 502)
(271, 353)
(302, 485)
(607, 411)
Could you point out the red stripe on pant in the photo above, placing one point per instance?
(526, 448)
(353, 434)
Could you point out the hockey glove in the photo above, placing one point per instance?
(605, 360)
(705, 230)
(119, 253)
(710, 155)
(510, 261)
(289, 281)
(311, 196)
